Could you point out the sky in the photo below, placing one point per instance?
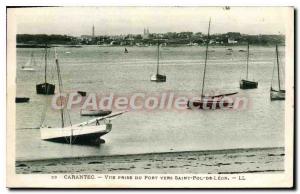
(78, 21)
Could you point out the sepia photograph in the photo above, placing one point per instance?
(150, 97)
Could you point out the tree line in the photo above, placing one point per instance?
(169, 38)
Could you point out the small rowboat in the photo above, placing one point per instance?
(95, 112)
(212, 102)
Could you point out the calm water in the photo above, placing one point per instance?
(105, 70)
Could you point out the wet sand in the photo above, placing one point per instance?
(256, 160)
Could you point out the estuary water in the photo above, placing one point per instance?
(105, 70)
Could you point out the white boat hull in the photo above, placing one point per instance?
(75, 134)
(95, 112)
(27, 69)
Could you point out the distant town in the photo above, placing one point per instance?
(148, 39)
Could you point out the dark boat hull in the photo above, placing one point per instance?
(245, 84)
(77, 134)
(159, 78)
(31, 46)
(22, 99)
(45, 89)
(209, 104)
(82, 93)
(87, 139)
(277, 94)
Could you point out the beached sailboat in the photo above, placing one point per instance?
(245, 83)
(158, 77)
(85, 132)
(29, 66)
(277, 94)
(210, 102)
(45, 88)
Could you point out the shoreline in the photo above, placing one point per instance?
(252, 160)
(129, 46)
(218, 151)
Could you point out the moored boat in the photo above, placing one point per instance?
(210, 102)
(22, 99)
(45, 88)
(29, 66)
(75, 134)
(158, 77)
(246, 83)
(95, 112)
(81, 93)
(277, 94)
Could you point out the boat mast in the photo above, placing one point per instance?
(46, 63)
(278, 67)
(31, 59)
(157, 68)
(60, 90)
(247, 61)
(206, 53)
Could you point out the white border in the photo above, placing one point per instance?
(114, 2)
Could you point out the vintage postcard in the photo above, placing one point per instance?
(150, 97)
